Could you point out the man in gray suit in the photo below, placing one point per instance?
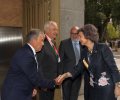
(70, 53)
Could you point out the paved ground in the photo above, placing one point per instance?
(81, 97)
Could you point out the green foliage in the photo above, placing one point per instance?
(112, 33)
(116, 13)
(99, 12)
(101, 16)
(118, 30)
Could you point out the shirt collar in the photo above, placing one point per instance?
(50, 40)
(73, 41)
(32, 48)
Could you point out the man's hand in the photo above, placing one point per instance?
(62, 78)
(56, 80)
(117, 90)
(34, 92)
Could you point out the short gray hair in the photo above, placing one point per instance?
(34, 33)
(90, 32)
(48, 24)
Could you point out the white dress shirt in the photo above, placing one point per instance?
(34, 54)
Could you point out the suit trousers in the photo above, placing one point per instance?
(47, 94)
(71, 88)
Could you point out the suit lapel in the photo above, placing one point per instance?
(29, 49)
(31, 53)
(71, 49)
(50, 48)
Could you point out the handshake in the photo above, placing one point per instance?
(58, 81)
(62, 77)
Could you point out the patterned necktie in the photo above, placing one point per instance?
(36, 60)
(54, 47)
(77, 52)
(55, 50)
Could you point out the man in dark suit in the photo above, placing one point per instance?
(49, 58)
(70, 54)
(23, 75)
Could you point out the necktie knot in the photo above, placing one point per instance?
(76, 43)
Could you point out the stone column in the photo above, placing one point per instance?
(71, 13)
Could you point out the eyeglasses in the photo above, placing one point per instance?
(74, 33)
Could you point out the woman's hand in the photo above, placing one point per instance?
(117, 90)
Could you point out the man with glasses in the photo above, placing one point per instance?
(69, 52)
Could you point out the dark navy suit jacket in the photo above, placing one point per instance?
(102, 60)
(23, 77)
(101, 65)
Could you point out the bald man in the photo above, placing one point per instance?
(69, 52)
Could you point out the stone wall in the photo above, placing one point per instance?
(71, 13)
